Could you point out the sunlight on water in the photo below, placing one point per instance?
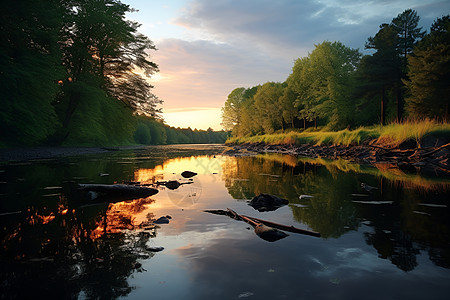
(379, 225)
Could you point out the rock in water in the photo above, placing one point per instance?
(188, 174)
(162, 220)
(172, 184)
(269, 234)
(266, 202)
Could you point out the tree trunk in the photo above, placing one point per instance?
(382, 117)
(304, 123)
(74, 99)
(399, 99)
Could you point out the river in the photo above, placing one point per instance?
(392, 242)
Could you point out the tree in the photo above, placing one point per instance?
(103, 49)
(382, 70)
(429, 73)
(231, 111)
(29, 70)
(405, 24)
(268, 110)
(298, 82)
(287, 103)
(323, 82)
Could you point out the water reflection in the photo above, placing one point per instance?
(404, 215)
(59, 246)
(62, 250)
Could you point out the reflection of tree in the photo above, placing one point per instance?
(400, 231)
(68, 252)
(329, 212)
(403, 229)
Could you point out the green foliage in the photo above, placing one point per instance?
(150, 131)
(268, 109)
(99, 119)
(70, 73)
(142, 134)
(393, 134)
(429, 73)
(29, 70)
(337, 88)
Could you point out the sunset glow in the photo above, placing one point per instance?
(207, 48)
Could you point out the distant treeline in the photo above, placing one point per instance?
(152, 132)
(406, 77)
(75, 72)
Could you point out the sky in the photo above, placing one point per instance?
(207, 48)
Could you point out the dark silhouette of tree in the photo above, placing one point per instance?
(381, 70)
(429, 73)
(29, 70)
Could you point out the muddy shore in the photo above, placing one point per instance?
(407, 156)
(22, 154)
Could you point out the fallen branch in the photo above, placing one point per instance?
(252, 220)
(263, 231)
(285, 228)
(436, 150)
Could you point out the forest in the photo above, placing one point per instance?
(405, 78)
(75, 72)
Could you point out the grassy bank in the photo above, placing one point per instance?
(389, 135)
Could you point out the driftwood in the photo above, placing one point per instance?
(429, 158)
(263, 231)
(286, 228)
(118, 191)
(252, 221)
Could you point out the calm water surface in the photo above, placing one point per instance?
(392, 243)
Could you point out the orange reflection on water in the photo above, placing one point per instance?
(175, 166)
(126, 215)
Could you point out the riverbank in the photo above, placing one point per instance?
(405, 156)
(21, 154)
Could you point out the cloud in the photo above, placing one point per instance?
(234, 43)
(297, 24)
(203, 73)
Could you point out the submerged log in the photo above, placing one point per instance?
(263, 231)
(119, 190)
(253, 221)
(286, 228)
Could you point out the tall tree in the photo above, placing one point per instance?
(323, 82)
(29, 70)
(231, 111)
(287, 103)
(103, 49)
(408, 32)
(268, 110)
(405, 24)
(429, 73)
(297, 82)
(382, 70)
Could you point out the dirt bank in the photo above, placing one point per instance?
(407, 155)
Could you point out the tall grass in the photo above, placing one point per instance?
(392, 135)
